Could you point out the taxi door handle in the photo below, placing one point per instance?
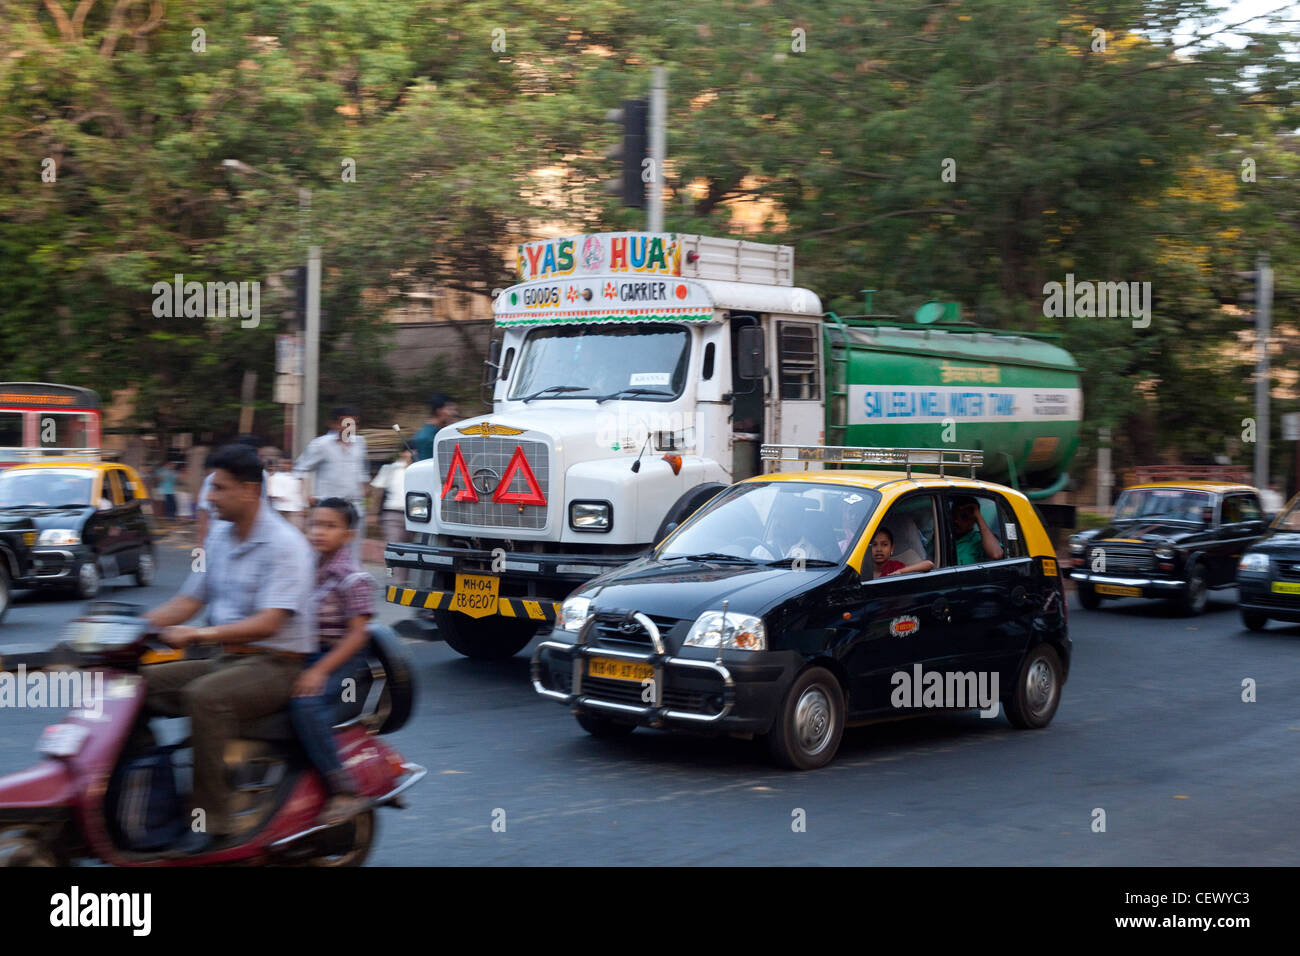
(942, 610)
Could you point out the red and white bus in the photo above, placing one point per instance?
(39, 420)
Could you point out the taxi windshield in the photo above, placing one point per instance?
(1169, 504)
(53, 487)
(638, 361)
(772, 522)
(1289, 519)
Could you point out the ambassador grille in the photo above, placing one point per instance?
(1120, 558)
(494, 453)
(1289, 569)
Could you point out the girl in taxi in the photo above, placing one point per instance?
(882, 553)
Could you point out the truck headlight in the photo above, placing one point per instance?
(743, 632)
(574, 613)
(59, 536)
(418, 505)
(591, 515)
(1253, 562)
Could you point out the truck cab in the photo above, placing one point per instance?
(636, 376)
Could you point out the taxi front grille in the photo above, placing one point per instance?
(487, 458)
(1122, 558)
(612, 633)
(696, 701)
(1289, 569)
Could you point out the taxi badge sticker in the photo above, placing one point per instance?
(903, 626)
(1049, 567)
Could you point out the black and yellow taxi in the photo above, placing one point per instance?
(85, 521)
(1268, 574)
(795, 603)
(1176, 540)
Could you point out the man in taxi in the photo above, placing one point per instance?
(974, 540)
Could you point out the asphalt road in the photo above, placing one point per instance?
(1152, 729)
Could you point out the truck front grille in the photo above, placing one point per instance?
(485, 457)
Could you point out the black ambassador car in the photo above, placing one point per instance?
(1268, 575)
(769, 614)
(82, 523)
(1172, 540)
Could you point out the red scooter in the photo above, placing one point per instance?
(83, 802)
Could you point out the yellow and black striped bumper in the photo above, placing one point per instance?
(506, 606)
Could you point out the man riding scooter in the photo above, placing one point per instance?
(256, 582)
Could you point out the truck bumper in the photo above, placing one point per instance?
(531, 586)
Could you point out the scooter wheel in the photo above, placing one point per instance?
(363, 838)
(22, 848)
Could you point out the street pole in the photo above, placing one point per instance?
(1263, 331)
(1104, 483)
(658, 148)
(311, 360)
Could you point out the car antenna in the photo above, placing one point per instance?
(636, 465)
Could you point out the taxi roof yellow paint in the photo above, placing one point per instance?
(1210, 486)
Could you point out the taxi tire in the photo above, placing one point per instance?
(146, 569)
(604, 727)
(819, 689)
(1196, 598)
(486, 639)
(1253, 620)
(1088, 597)
(6, 593)
(1020, 711)
(86, 581)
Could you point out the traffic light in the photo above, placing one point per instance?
(631, 151)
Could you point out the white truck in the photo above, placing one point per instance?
(631, 383)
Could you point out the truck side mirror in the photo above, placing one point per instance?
(751, 362)
(494, 356)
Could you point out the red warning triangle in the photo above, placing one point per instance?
(533, 496)
(466, 493)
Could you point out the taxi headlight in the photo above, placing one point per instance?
(744, 632)
(1165, 553)
(1253, 562)
(59, 536)
(418, 506)
(1076, 545)
(574, 613)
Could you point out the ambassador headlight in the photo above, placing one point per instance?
(59, 536)
(1076, 545)
(744, 632)
(574, 613)
(591, 515)
(418, 506)
(1165, 554)
(1253, 562)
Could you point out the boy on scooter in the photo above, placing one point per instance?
(344, 602)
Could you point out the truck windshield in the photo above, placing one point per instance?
(603, 360)
(1172, 504)
(776, 521)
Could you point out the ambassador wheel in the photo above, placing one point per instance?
(1253, 620)
(1089, 597)
(1197, 595)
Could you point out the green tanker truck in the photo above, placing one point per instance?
(636, 374)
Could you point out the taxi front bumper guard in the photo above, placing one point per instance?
(653, 713)
(1145, 584)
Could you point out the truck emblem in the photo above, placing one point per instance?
(487, 429)
(519, 466)
(485, 480)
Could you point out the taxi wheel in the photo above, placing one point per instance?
(1037, 690)
(487, 639)
(86, 583)
(807, 730)
(599, 726)
(1197, 595)
(1253, 620)
(6, 593)
(145, 569)
(1089, 597)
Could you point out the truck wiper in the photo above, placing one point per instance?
(555, 388)
(633, 391)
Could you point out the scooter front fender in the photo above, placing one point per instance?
(43, 792)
